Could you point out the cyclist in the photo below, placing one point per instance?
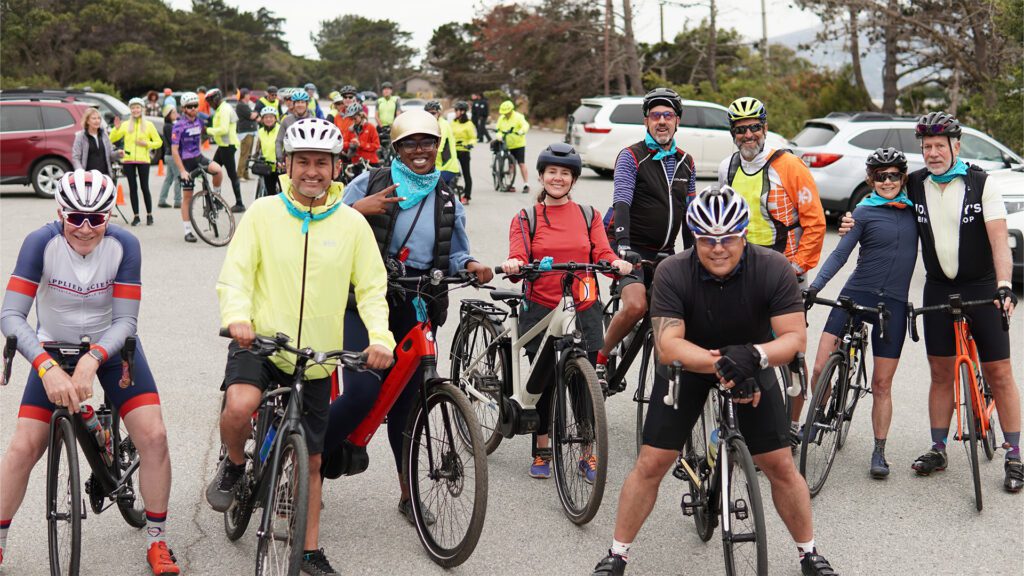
(140, 136)
(266, 283)
(961, 220)
(465, 137)
(298, 111)
(564, 232)
(728, 310)
(314, 107)
(512, 128)
(887, 234)
(185, 149)
(654, 181)
(84, 276)
(481, 110)
(388, 107)
(223, 131)
(361, 139)
(424, 229)
(266, 147)
(270, 99)
(447, 157)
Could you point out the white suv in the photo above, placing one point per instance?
(601, 127)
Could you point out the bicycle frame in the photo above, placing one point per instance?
(967, 353)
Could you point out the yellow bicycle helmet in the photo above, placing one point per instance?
(506, 107)
(747, 108)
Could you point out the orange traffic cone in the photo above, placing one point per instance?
(160, 167)
(206, 145)
(120, 195)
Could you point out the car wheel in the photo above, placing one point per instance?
(46, 176)
(859, 194)
(604, 172)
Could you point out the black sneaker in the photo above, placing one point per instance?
(526, 188)
(316, 564)
(814, 564)
(879, 467)
(610, 565)
(931, 461)
(1014, 471)
(190, 237)
(405, 507)
(149, 220)
(163, 205)
(238, 207)
(136, 221)
(221, 491)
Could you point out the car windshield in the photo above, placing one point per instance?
(815, 134)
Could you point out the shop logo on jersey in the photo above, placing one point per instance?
(79, 290)
(971, 211)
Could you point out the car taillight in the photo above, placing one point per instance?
(819, 159)
(591, 129)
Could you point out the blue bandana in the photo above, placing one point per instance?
(414, 187)
(958, 169)
(307, 215)
(874, 199)
(659, 152)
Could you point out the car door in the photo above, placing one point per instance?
(22, 138)
(980, 152)
(718, 143)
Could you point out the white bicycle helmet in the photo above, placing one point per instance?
(189, 98)
(313, 135)
(82, 191)
(268, 111)
(715, 212)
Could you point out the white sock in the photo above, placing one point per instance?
(155, 527)
(620, 548)
(805, 547)
(188, 227)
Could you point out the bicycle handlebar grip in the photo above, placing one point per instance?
(672, 397)
(9, 349)
(912, 323)
(883, 320)
(796, 366)
(225, 333)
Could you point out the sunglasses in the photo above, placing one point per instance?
(425, 145)
(740, 130)
(667, 115)
(726, 240)
(930, 129)
(190, 106)
(79, 219)
(887, 177)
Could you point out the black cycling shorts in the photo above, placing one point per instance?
(765, 428)
(638, 270)
(191, 164)
(245, 368)
(519, 154)
(986, 322)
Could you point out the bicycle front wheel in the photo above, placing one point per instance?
(126, 460)
(447, 475)
(821, 431)
(579, 441)
(696, 454)
(63, 499)
(968, 429)
(509, 174)
(238, 515)
(473, 341)
(851, 395)
(744, 537)
(497, 169)
(279, 548)
(643, 389)
(211, 218)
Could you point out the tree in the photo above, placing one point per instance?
(362, 51)
(453, 54)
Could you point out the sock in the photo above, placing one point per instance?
(155, 527)
(620, 548)
(880, 445)
(805, 547)
(188, 227)
(794, 426)
(5, 525)
(601, 358)
(939, 438)
(1013, 439)
(307, 554)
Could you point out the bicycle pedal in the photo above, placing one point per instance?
(678, 472)
(739, 509)
(488, 383)
(688, 506)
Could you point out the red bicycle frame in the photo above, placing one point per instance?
(967, 353)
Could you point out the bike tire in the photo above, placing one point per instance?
(63, 486)
(988, 439)
(645, 384)
(971, 438)
(509, 176)
(580, 499)
(238, 515)
(261, 187)
(820, 437)
(447, 478)
(206, 212)
(290, 479)
(696, 454)
(735, 545)
(851, 396)
(472, 337)
(131, 508)
(496, 172)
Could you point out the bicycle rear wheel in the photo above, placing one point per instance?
(211, 218)
(129, 503)
(988, 439)
(510, 171)
(579, 441)
(279, 548)
(474, 335)
(447, 475)
(643, 388)
(968, 428)
(63, 499)
(744, 537)
(822, 425)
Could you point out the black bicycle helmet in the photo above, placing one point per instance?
(432, 106)
(348, 89)
(462, 105)
(662, 97)
(887, 158)
(938, 124)
(560, 154)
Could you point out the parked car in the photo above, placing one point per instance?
(1011, 183)
(413, 104)
(36, 136)
(601, 127)
(110, 107)
(836, 146)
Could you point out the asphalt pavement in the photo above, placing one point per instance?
(902, 525)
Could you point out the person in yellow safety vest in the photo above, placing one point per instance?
(512, 128)
(465, 138)
(140, 136)
(388, 107)
(266, 148)
(314, 106)
(271, 100)
(224, 132)
(447, 159)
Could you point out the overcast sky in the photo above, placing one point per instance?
(421, 17)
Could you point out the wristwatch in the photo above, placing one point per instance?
(763, 361)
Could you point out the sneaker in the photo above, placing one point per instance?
(879, 467)
(177, 204)
(814, 564)
(163, 205)
(610, 565)
(221, 491)
(162, 560)
(541, 468)
(588, 468)
(190, 237)
(136, 221)
(238, 207)
(1014, 471)
(149, 220)
(931, 461)
(405, 507)
(526, 188)
(316, 564)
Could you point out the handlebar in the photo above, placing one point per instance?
(538, 267)
(956, 307)
(9, 349)
(270, 345)
(847, 304)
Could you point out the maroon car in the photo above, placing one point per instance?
(36, 136)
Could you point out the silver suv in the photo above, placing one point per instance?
(835, 148)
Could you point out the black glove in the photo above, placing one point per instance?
(809, 295)
(1005, 292)
(628, 255)
(738, 363)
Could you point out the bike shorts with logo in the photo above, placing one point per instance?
(986, 321)
(246, 368)
(142, 392)
(896, 326)
(191, 164)
(765, 428)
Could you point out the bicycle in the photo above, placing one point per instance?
(503, 166)
(972, 395)
(722, 481)
(842, 383)
(505, 405)
(354, 168)
(457, 187)
(260, 168)
(114, 466)
(386, 153)
(211, 217)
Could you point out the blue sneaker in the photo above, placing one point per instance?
(588, 468)
(879, 467)
(541, 468)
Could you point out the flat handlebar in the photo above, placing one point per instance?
(847, 304)
(269, 345)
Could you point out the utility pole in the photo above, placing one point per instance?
(764, 38)
(607, 45)
(661, 20)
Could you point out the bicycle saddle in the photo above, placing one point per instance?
(506, 295)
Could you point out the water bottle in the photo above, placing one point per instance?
(267, 443)
(92, 424)
(713, 448)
